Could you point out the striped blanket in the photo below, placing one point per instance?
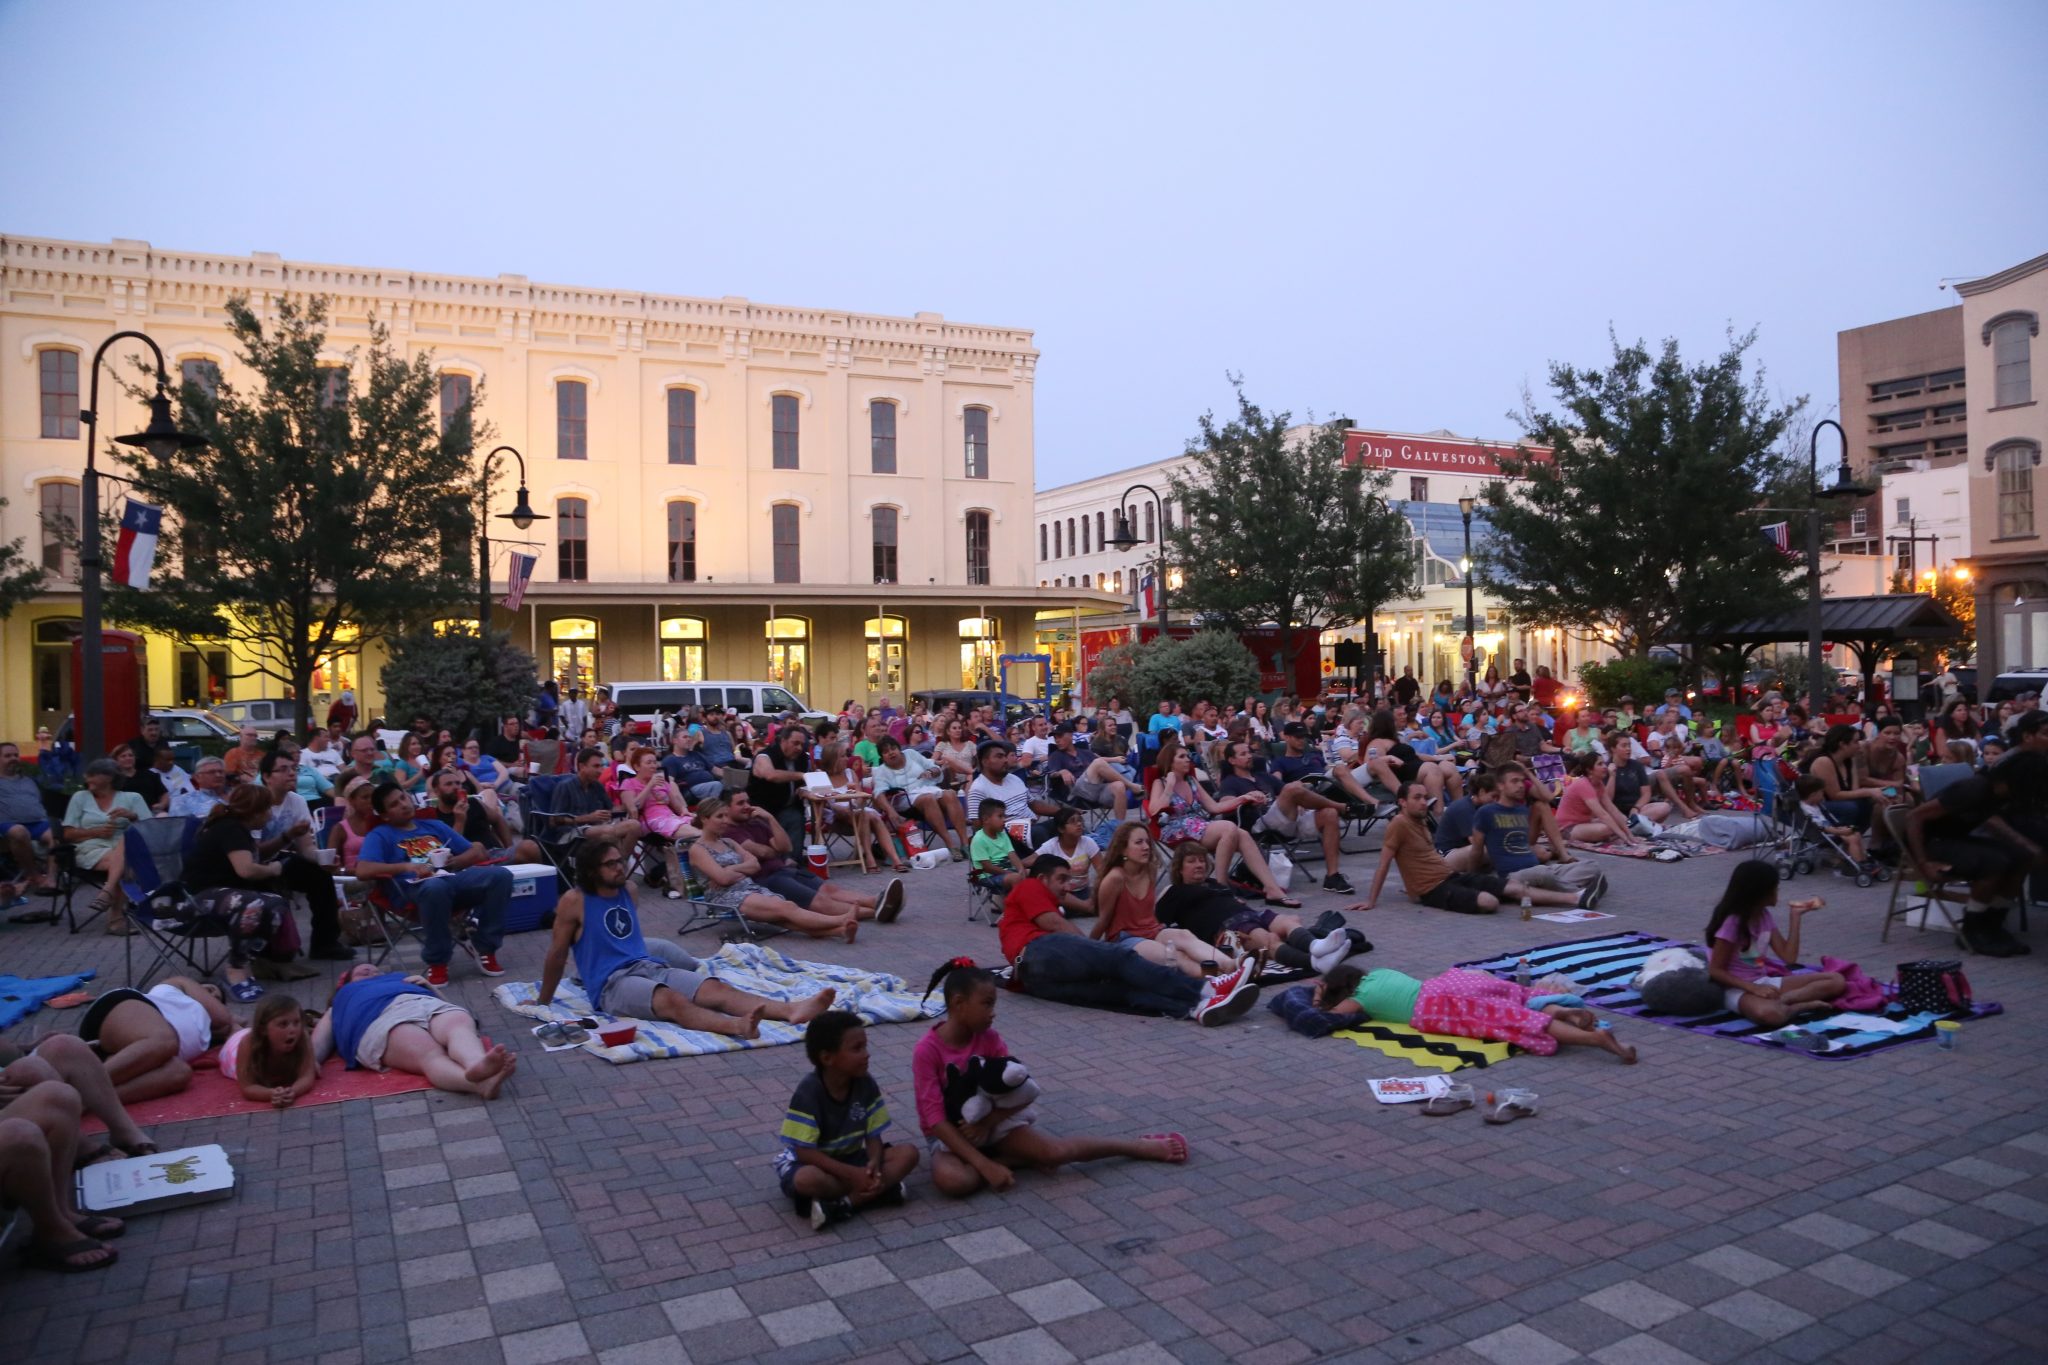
(1439, 1051)
(876, 997)
(1604, 966)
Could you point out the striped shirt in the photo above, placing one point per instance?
(838, 1128)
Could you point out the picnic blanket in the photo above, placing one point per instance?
(1604, 966)
(1439, 1051)
(1681, 848)
(212, 1095)
(876, 997)
(22, 996)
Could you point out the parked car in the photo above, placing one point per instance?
(642, 704)
(2006, 686)
(193, 734)
(1014, 708)
(262, 714)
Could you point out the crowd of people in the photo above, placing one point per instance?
(1141, 864)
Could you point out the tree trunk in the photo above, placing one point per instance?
(302, 694)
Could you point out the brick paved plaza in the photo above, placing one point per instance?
(1716, 1202)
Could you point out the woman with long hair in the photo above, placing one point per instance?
(1751, 954)
(1183, 808)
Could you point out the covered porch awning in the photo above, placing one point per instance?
(1870, 626)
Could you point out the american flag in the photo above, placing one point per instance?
(1779, 534)
(519, 575)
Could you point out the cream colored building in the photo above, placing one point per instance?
(2008, 417)
(838, 501)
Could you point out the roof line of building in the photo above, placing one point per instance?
(1985, 283)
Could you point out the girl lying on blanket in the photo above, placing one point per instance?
(272, 1059)
(382, 1020)
(1465, 1004)
(1750, 952)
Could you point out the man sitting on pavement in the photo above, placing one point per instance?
(1430, 880)
(1505, 835)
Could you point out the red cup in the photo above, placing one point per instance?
(620, 1036)
(819, 859)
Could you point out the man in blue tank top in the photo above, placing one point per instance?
(598, 921)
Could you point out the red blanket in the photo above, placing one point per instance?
(211, 1094)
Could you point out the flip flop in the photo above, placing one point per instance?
(58, 1258)
(1453, 1101)
(1511, 1105)
(99, 1228)
(1176, 1146)
(1284, 902)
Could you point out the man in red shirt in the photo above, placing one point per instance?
(1053, 960)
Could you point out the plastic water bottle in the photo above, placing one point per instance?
(1522, 971)
(1527, 905)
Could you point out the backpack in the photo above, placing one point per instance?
(1935, 984)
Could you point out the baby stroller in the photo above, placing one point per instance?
(1812, 842)
(1773, 778)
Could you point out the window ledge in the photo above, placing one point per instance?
(2013, 407)
(2004, 540)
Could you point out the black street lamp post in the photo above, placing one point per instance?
(1845, 486)
(1465, 506)
(1124, 537)
(163, 440)
(522, 515)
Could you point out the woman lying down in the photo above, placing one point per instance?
(1467, 1004)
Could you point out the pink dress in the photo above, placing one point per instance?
(655, 811)
(1475, 1005)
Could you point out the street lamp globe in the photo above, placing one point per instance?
(1121, 537)
(162, 438)
(522, 514)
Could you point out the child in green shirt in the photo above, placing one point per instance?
(991, 855)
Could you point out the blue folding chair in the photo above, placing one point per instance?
(164, 914)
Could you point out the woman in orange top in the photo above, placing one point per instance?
(1125, 915)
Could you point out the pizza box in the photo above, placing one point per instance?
(150, 1184)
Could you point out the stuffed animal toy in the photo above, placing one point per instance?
(985, 1085)
(1675, 981)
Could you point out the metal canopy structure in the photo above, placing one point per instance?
(1870, 626)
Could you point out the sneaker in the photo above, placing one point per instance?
(1590, 898)
(895, 1196)
(1224, 1007)
(1330, 920)
(959, 853)
(891, 904)
(825, 1212)
(487, 963)
(437, 974)
(1336, 882)
(1223, 983)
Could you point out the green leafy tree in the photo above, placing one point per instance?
(1210, 664)
(20, 579)
(325, 498)
(1645, 528)
(434, 674)
(1279, 528)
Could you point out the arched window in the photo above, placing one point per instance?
(887, 638)
(1101, 539)
(572, 419)
(201, 373)
(978, 548)
(339, 669)
(789, 653)
(682, 649)
(682, 426)
(572, 540)
(981, 644)
(682, 537)
(58, 512)
(572, 652)
(787, 540)
(58, 367)
(1041, 541)
(785, 436)
(975, 420)
(882, 437)
(885, 543)
(1058, 548)
(333, 386)
(2012, 463)
(1151, 526)
(1119, 580)
(1073, 545)
(1085, 544)
(2012, 345)
(2020, 615)
(455, 395)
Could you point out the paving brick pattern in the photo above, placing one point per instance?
(1715, 1203)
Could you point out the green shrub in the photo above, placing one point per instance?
(1211, 664)
(1641, 678)
(436, 675)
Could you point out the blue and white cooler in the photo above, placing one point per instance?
(535, 888)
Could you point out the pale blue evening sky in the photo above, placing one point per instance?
(1397, 212)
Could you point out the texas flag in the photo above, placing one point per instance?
(135, 551)
(518, 575)
(1142, 597)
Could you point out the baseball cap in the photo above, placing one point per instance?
(987, 745)
(1670, 691)
(1294, 727)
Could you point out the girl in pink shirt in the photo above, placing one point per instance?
(969, 1156)
(1753, 960)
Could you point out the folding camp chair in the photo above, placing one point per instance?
(543, 794)
(1932, 892)
(166, 919)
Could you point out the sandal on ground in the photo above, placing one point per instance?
(245, 991)
(1284, 902)
(60, 1258)
(99, 1227)
(1176, 1146)
(1453, 1101)
(1510, 1105)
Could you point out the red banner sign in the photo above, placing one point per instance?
(1432, 454)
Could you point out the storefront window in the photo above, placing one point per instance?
(682, 645)
(886, 637)
(340, 669)
(981, 644)
(572, 653)
(2021, 613)
(789, 654)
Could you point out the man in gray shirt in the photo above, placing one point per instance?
(23, 821)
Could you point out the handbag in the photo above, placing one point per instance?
(1935, 984)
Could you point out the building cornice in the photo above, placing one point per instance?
(137, 280)
(1984, 284)
(704, 593)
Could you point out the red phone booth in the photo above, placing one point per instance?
(124, 677)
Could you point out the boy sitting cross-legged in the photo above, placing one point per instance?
(833, 1160)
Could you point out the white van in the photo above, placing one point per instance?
(643, 704)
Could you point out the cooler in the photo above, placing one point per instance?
(535, 888)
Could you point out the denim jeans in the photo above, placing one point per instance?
(1073, 970)
(486, 890)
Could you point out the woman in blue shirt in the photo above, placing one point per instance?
(383, 1020)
